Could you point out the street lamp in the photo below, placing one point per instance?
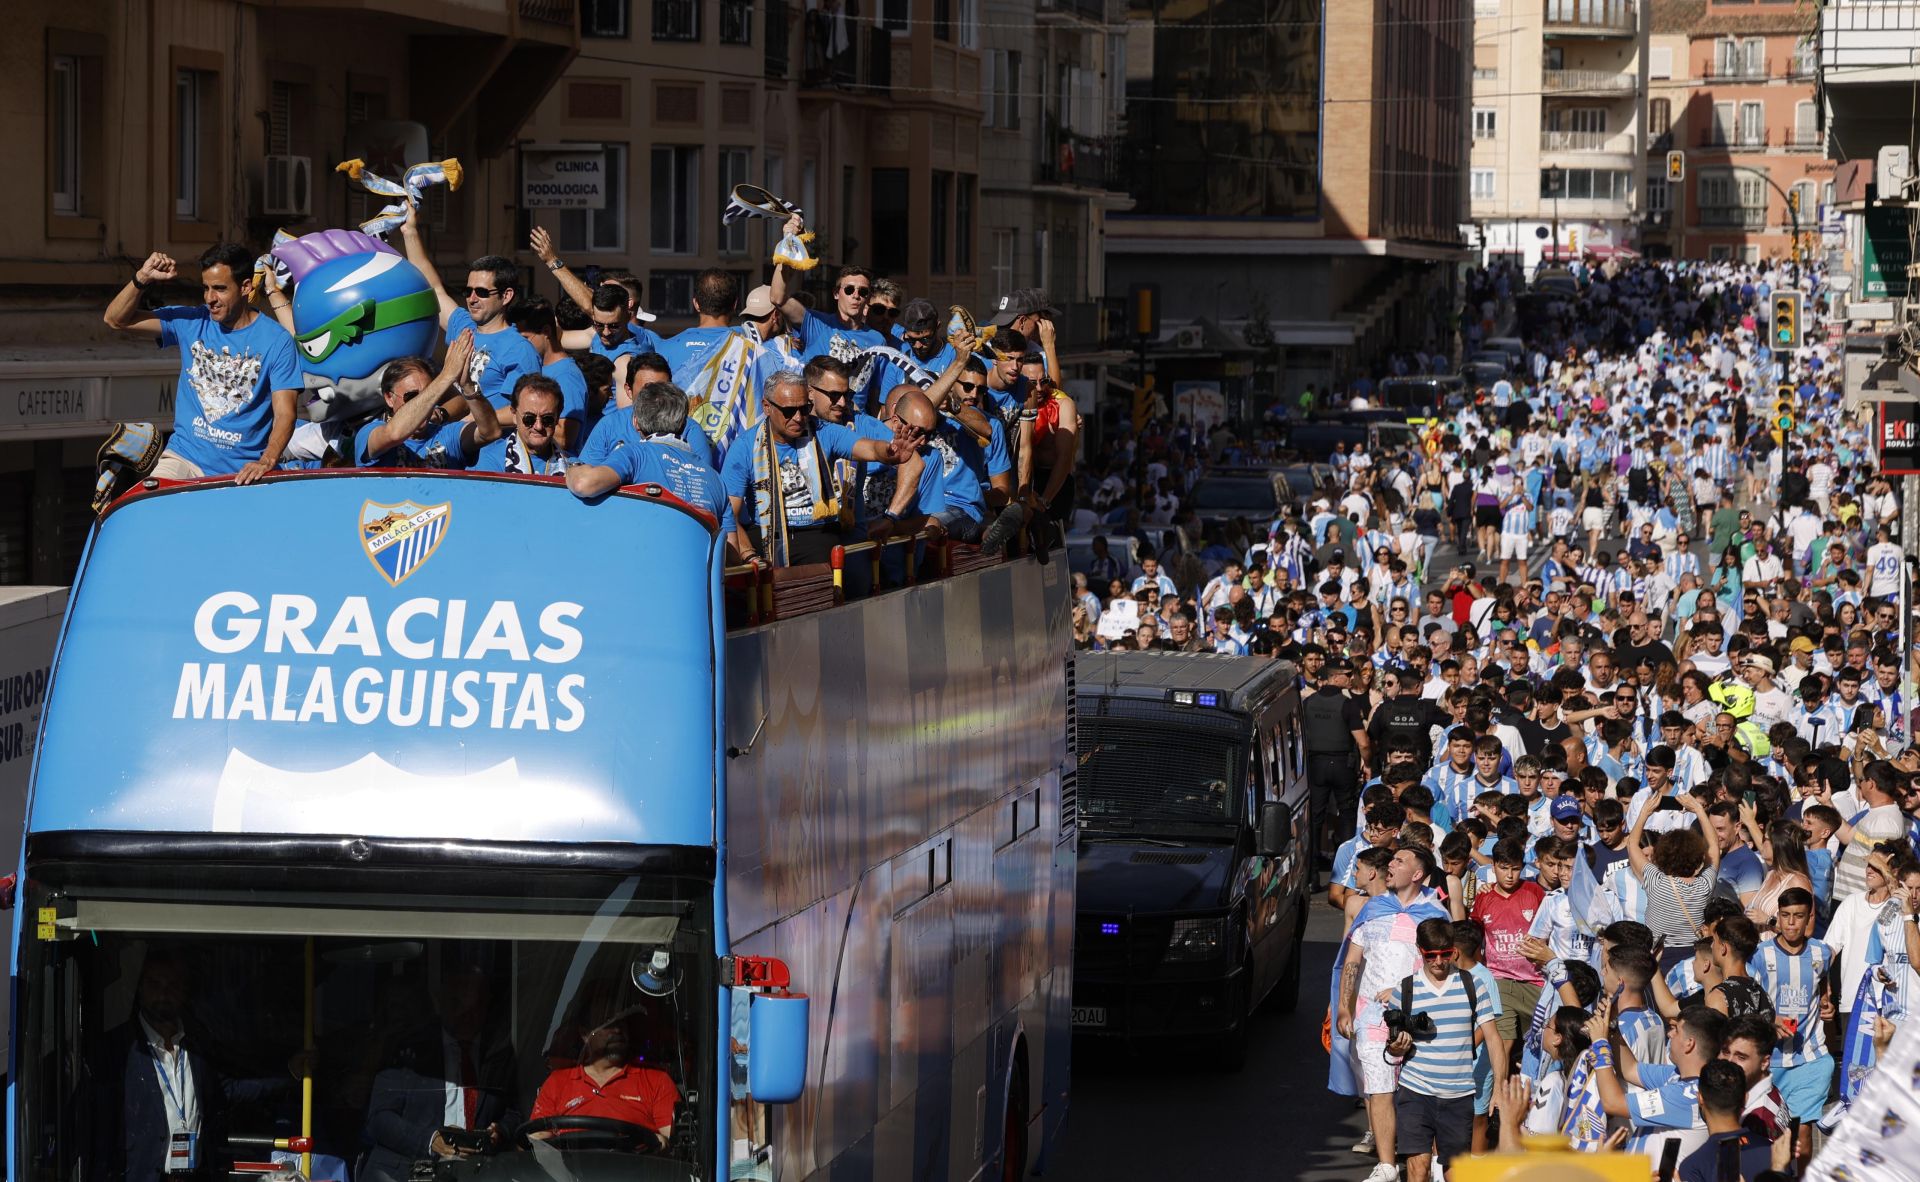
(1555, 179)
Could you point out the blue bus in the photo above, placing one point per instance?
(391, 826)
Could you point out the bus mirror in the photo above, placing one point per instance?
(1276, 829)
(777, 1047)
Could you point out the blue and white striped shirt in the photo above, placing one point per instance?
(1793, 981)
(1684, 562)
(1443, 1066)
(1456, 788)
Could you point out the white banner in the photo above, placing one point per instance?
(563, 180)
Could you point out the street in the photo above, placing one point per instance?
(1169, 1116)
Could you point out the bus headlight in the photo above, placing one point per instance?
(1195, 940)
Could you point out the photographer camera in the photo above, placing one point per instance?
(1435, 1021)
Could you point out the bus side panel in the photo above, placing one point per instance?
(882, 745)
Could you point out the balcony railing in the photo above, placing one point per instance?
(1740, 71)
(1739, 217)
(1584, 141)
(1806, 139)
(1802, 66)
(676, 20)
(779, 38)
(736, 22)
(1092, 10)
(1587, 82)
(1714, 137)
(549, 12)
(1594, 18)
(851, 56)
(1069, 159)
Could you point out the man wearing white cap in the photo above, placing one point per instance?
(1770, 703)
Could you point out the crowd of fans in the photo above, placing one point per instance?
(799, 428)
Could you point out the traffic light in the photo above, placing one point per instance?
(1782, 413)
(1573, 241)
(1786, 320)
(1793, 199)
(1676, 167)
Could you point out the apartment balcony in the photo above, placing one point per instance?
(1806, 139)
(1741, 71)
(1079, 161)
(851, 56)
(1592, 18)
(1803, 67)
(1601, 82)
(1731, 217)
(1069, 12)
(1862, 44)
(1713, 138)
(1616, 143)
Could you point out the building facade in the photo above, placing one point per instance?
(1559, 127)
(1732, 89)
(1298, 175)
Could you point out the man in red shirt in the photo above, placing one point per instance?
(608, 1083)
(1506, 913)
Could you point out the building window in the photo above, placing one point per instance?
(676, 200)
(1590, 184)
(891, 229)
(1753, 125)
(676, 20)
(1806, 126)
(1657, 194)
(1660, 61)
(736, 22)
(1719, 253)
(966, 23)
(1000, 89)
(605, 18)
(896, 15)
(195, 143)
(1659, 116)
(670, 293)
(1721, 133)
(1482, 184)
(939, 209)
(963, 226)
(64, 133)
(582, 230)
(1005, 244)
(736, 168)
(1485, 120)
(943, 20)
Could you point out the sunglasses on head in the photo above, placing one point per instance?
(484, 293)
(850, 289)
(546, 420)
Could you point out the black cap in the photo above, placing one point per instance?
(1338, 665)
(919, 316)
(1024, 301)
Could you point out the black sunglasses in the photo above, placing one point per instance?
(832, 395)
(851, 290)
(970, 387)
(789, 412)
(485, 293)
(879, 309)
(548, 420)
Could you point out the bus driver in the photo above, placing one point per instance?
(610, 1081)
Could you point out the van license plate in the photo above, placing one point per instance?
(1089, 1015)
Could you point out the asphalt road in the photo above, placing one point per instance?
(1168, 1115)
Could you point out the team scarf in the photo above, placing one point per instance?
(1341, 1080)
(1582, 1118)
(523, 462)
(717, 375)
(769, 489)
(909, 368)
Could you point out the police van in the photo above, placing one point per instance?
(1193, 851)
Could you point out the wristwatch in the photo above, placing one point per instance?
(556, 265)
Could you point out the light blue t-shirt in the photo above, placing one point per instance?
(673, 467)
(573, 393)
(443, 449)
(223, 407)
(736, 472)
(960, 486)
(496, 457)
(616, 427)
(499, 358)
(821, 333)
(639, 340)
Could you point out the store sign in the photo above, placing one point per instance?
(47, 406)
(1887, 254)
(1896, 437)
(563, 180)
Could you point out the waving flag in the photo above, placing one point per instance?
(718, 376)
(1593, 907)
(1857, 1053)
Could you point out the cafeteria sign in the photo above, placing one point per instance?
(1897, 437)
(570, 179)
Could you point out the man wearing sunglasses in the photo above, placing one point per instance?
(501, 356)
(614, 306)
(408, 437)
(616, 428)
(883, 307)
(843, 332)
(534, 320)
(532, 448)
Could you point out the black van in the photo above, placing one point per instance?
(1193, 875)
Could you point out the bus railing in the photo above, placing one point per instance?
(757, 593)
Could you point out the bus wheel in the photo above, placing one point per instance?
(1013, 1139)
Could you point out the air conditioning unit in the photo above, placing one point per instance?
(287, 189)
(1190, 337)
(1893, 172)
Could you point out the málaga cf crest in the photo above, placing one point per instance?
(398, 538)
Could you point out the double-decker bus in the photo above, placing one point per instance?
(442, 825)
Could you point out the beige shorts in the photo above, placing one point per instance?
(172, 467)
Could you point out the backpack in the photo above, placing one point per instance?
(1473, 1003)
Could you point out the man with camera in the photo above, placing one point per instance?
(1435, 1019)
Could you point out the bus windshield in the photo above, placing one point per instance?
(1136, 773)
(441, 1020)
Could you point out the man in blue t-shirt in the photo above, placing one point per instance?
(619, 330)
(842, 333)
(534, 320)
(532, 448)
(501, 356)
(788, 461)
(240, 379)
(657, 455)
(720, 364)
(415, 432)
(616, 426)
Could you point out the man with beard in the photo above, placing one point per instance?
(609, 1082)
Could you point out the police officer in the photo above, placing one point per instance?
(1336, 735)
